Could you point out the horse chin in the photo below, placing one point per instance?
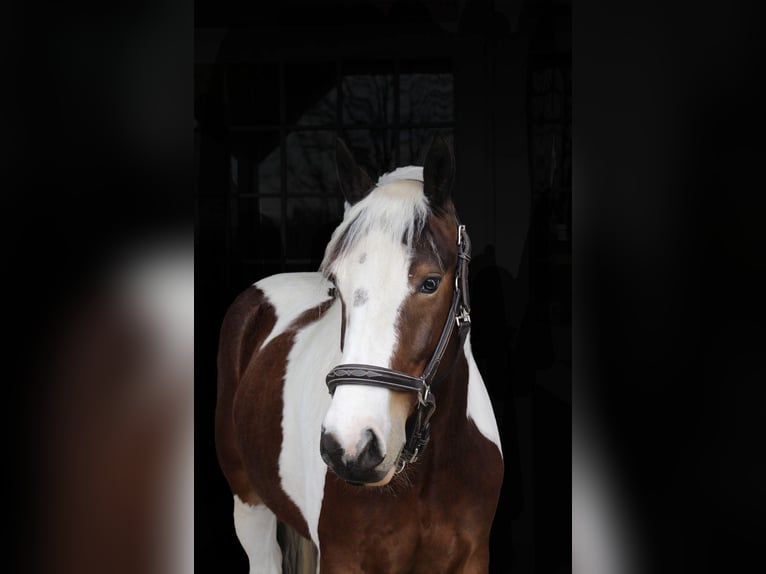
(385, 480)
(373, 482)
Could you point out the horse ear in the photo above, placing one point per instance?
(438, 172)
(353, 180)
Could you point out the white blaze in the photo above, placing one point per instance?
(371, 271)
(377, 267)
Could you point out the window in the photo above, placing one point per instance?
(283, 118)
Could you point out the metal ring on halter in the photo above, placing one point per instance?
(423, 396)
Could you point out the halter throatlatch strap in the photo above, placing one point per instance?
(459, 317)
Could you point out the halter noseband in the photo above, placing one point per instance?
(459, 316)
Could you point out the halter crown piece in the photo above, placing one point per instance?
(459, 317)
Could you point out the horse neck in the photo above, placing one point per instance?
(449, 422)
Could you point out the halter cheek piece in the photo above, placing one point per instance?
(459, 317)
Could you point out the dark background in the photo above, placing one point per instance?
(667, 249)
(274, 86)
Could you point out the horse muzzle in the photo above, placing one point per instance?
(360, 467)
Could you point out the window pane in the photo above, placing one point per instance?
(311, 94)
(368, 93)
(253, 94)
(426, 98)
(311, 163)
(374, 150)
(255, 163)
(414, 143)
(310, 222)
(268, 171)
(256, 226)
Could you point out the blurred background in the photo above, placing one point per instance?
(96, 164)
(276, 83)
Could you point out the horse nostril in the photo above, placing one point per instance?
(330, 449)
(370, 454)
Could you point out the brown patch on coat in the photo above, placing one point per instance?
(422, 317)
(247, 323)
(249, 412)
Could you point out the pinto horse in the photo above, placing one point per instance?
(327, 418)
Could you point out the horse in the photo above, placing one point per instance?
(326, 413)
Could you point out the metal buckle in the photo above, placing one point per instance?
(463, 317)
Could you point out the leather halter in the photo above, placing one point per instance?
(459, 316)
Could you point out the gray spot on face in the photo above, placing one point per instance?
(363, 258)
(360, 297)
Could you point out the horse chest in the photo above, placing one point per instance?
(398, 533)
(443, 549)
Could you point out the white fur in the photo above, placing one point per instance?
(256, 528)
(306, 399)
(479, 407)
(291, 294)
(409, 172)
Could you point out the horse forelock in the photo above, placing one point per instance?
(413, 172)
(396, 209)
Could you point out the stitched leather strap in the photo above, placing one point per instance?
(371, 375)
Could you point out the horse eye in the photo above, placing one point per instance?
(430, 285)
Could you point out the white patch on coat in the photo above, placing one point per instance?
(256, 528)
(306, 399)
(479, 407)
(291, 294)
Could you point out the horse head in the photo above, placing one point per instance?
(393, 262)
